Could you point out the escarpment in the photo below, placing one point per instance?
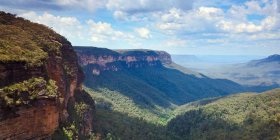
(101, 59)
(39, 75)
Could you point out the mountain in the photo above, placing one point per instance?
(148, 76)
(270, 59)
(239, 116)
(39, 80)
(264, 72)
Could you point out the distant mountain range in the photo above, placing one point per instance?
(275, 59)
(257, 72)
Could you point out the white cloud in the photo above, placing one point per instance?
(70, 27)
(196, 20)
(239, 27)
(264, 36)
(175, 22)
(212, 19)
(210, 13)
(267, 24)
(138, 10)
(143, 32)
(120, 15)
(73, 29)
(103, 32)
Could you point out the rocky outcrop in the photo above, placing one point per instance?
(54, 60)
(36, 122)
(13, 72)
(101, 59)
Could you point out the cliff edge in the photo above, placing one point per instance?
(39, 74)
(102, 59)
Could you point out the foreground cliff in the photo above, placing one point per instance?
(39, 75)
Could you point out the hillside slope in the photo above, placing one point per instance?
(240, 116)
(150, 78)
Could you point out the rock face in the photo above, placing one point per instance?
(54, 59)
(36, 122)
(16, 71)
(101, 59)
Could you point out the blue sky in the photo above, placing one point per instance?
(198, 27)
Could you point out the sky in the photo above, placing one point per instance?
(196, 27)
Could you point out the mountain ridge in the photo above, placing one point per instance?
(143, 65)
(270, 59)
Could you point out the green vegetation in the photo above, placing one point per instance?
(79, 112)
(151, 87)
(143, 104)
(31, 41)
(27, 91)
(240, 116)
(121, 118)
(138, 53)
(115, 101)
(96, 51)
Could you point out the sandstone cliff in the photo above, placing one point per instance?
(32, 54)
(101, 59)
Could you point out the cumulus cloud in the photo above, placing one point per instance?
(196, 20)
(134, 10)
(239, 27)
(73, 29)
(70, 27)
(212, 19)
(173, 22)
(143, 32)
(103, 32)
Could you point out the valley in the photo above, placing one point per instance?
(143, 98)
